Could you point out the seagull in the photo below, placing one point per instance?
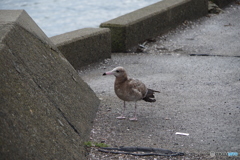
(128, 89)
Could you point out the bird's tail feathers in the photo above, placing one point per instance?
(150, 96)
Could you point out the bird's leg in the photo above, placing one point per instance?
(122, 116)
(135, 114)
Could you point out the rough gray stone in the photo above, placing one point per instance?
(222, 3)
(46, 108)
(151, 21)
(21, 18)
(84, 46)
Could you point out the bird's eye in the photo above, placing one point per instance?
(117, 71)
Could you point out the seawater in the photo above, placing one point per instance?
(55, 17)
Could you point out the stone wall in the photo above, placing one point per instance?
(222, 3)
(131, 29)
(84, 46)
(90, 45)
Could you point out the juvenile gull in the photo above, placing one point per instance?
(128, 89)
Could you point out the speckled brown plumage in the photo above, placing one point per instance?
(128, 89)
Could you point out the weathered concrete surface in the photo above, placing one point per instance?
(222, 3)
(206, 37)
(46, 108)
(84, 46)
(21, 18)
(151, 21)
(200, 95)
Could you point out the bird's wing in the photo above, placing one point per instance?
(138, 87)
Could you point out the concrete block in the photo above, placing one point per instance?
(84, 46)
(133, 28)
(21, 18)
(222, 3)
(47, 110)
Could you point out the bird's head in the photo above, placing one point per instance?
(117, 72)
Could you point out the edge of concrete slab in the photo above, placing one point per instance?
(151, 21)
(222, 3)
(84, 46)
(23, 19)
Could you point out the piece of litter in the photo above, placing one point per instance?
(181, 133)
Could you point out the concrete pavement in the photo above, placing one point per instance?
(200, 95)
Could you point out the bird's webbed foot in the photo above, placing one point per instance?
(133, 119)
(121, 117)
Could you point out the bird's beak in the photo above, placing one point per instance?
(107, 73)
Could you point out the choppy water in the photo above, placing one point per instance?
(55, 17)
